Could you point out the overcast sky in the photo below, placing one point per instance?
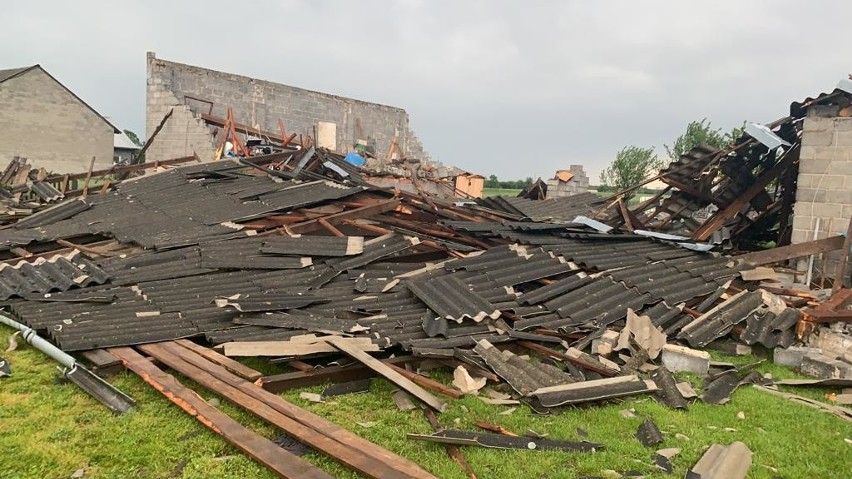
(511, 88)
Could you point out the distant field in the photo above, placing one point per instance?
(486, 192)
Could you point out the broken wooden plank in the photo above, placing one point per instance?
(389, 374)
(840, 270)
(841, 412)
(282, 382)
(427, 383)
(827, 316)
(264, 451)
(233, 366)
(359, 455)
(792, 251)
(357, 213)
(292, 348)
(452, 450)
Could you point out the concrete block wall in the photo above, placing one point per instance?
(261, 103)
(824, 189)
(41, 121)
(579, 183)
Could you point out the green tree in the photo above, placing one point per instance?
(702, 133)
(492, 182)
(133, 137)
(632, 165)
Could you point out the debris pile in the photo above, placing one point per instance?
(298, 257)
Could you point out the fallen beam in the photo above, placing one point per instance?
(452, 450)
(334, 374)
(123, 169)
(389, 374)
(264, 451)
(799, 250)
(233, 366)
(348, 449)
(841, 412)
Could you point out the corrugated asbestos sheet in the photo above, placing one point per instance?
(313, 245)
(721, 319)
(179, 207)
(202, 274)
(557, 209)
(451, 298)
(44, 276)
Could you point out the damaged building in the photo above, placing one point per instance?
(200, 99)
(298, 258)
(44, 121)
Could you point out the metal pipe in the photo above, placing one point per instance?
(88, 381)
(40, 343)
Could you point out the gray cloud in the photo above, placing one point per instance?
(512, 88)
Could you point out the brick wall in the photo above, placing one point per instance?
(824, 187)
(41, 121)
(192, 90)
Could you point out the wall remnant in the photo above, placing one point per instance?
(823, 205)
(192, 91)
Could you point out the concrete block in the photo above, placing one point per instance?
(832, 344)
(843, 138)
(683, 359)
(817, 138)
(827, 210)
(803, 209)
(825, 368)
(799, 236)
(604, 344)
(814, 165)
(839, 167)
(793, 356)
(843, 196)
(842, 124)
(810, 194)
(830, 182)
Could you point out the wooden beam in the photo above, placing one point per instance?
(330, 374)
(798, 250)
(264, 451)
(122, 169)
(840, 271)
(427, 383)
(357, 213)
(389, 374)
(349, 449)
(88, 177)
(235, 367)
(154, 135)
(722, 216)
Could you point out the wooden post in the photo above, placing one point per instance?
(88, 177)
(840, 271)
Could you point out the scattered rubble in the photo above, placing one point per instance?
(295, 255)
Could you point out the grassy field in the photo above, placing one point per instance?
(486, 192)
(50, 431)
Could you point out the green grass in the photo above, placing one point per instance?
(49, 431)
(486, 192)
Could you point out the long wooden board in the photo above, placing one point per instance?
(235, 367)
(343, 446)
(291, 348)
(389, 374)
(264, 451)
